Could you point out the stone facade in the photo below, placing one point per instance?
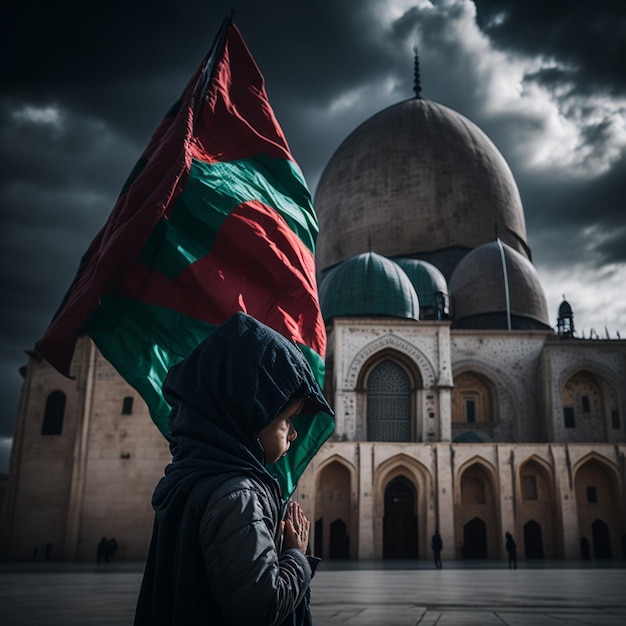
(455, 484)
(92, 478)
(499, 431)
(439, 424)
(512, 464)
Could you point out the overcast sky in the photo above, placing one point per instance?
(84, 86)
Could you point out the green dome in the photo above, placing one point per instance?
(430, 285)
(368, 284)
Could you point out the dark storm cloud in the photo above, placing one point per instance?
(588, 37)
(574, 204)
(84, 86)
(51, 148)
(107, 57)
(59, 178)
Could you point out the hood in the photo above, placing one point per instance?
(236, 382)
(240, 379)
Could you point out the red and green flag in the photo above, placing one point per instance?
(215, 218)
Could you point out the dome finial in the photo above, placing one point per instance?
(417, 87)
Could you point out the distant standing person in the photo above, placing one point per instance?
(103, 550)
(437, 546)
(511, 548)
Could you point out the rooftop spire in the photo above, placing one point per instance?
(417, 87)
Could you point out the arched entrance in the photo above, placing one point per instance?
(533, 541)
(332, 530)
(601, 540)
(536, 511)
(475, 539)
(400, 520)
(597, 495)
(476, 514)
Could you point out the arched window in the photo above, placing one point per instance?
(127, 405)
(583, 408)
(472, 401)
(54, 413)
(388, 403)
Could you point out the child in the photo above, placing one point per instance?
(220, 553)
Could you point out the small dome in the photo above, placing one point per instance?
(565, 310)
(478, 294)
(565, 321)
(430, 285)
(368, 284)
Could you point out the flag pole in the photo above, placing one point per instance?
(214, 53)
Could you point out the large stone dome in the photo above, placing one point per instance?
(419, 180)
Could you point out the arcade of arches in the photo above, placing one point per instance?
(392, 511)
(436, 430)
(473, 432)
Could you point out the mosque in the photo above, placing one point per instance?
(459, 406)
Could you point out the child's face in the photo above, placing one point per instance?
(277, 436)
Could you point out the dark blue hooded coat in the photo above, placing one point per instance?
(213, 557)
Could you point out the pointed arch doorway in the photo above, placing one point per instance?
(601, 539)
(533, 541)
(334, 525)
(475, 539)
(400, 520)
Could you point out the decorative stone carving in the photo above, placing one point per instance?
(390, 340)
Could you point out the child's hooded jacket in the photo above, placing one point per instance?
(213, 557)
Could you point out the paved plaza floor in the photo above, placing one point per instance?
(387, 593)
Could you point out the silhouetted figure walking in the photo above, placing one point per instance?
(437, 546)
(48, 552)
(511, 548)
(103, 550)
